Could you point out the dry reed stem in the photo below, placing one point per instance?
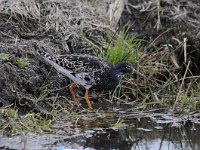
(181, 86)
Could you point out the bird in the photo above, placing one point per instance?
(89, 71)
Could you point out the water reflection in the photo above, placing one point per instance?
(134, 134)
(139, 134)
(145, 135)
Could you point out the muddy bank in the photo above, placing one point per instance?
(25, 28)
(26, 80)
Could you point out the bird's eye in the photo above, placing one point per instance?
(128, 67)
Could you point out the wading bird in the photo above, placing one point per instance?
(88, 71)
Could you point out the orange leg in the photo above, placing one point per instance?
(71, 88)
(87, 99)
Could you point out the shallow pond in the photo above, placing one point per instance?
(116, 129)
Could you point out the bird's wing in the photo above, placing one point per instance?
(82, 69)
(85, 63)
(86, 68)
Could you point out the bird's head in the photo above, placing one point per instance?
(123, 68)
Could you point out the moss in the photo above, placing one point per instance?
(4, 56)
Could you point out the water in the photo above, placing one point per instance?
(109, 131)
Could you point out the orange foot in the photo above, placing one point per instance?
(87, 99)
(71, 88)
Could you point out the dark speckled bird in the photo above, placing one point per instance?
(88, 71)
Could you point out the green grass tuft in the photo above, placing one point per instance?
(11, 122)
(4, 56)
(123, 49)
(22, 62)
(119, 123)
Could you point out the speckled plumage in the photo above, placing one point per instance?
(88, 71)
